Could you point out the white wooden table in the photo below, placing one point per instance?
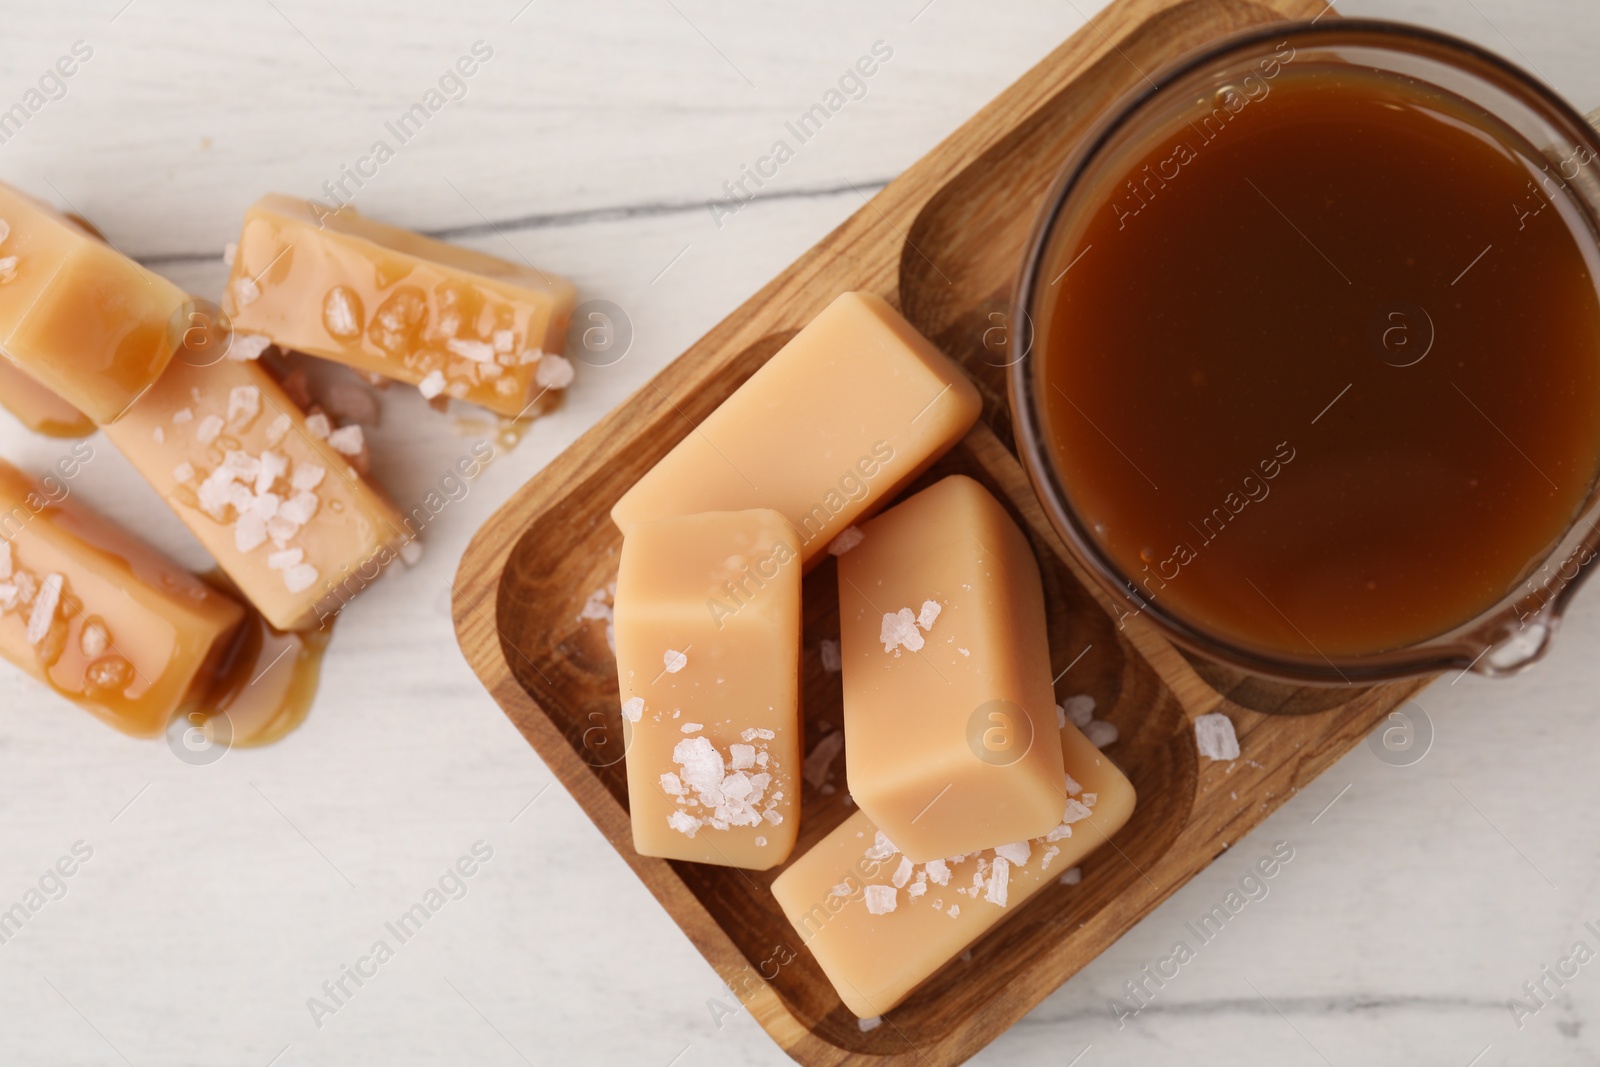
(219, 899)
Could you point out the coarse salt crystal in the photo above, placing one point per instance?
(249, 532)
(183, 472)
(208, 430)
(832, 661)
(819, 761)
(246, 291)
(955, 911)
(273, 465)
(283, 560)
(1076, 811)
(94, 640)
(244, 404)
(307, 476)
(477, 351)
(1214, 737)
(881, 899)
(432, 385)
(45, 602)
(504, 340)
(753, 732)
(281, 530)
(277, 430)
(347, 440)
(929, 614)
(1101, 733)
(674, 661)
(181, 416)
(1016, 853)
(300, 577)
(684, 823)
(744, 756)
(554, 372)
(881, 848)
(633, 708)
(692, 727)
(247, 347)
(702, 765)
(848, 538)
(8, 269)
(299, 508)
(1079, 710)
(318, 425)
(938, 872)
(1050, 853)
(902, 873)
(995, 891)
(900, 629)
(916, 889)
(1073, 788)
(672, 785)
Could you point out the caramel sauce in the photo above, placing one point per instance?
(1325, 377)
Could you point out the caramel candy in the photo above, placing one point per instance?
(79, 317)
(880, 923)
(708, 667)
(448, 320)
(38, 408)
(100, 617)
(946, 672)
(847, 413)
(270, 492)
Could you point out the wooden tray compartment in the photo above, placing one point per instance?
(943, 242)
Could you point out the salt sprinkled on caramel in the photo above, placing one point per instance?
(674, 661)
(554, 372)
(900, 629)
(633, 709)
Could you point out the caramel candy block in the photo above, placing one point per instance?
(100, 617)
(847, 413)
(38, 408)
(708, 666)
(82, 319)
(946, 671)
(881, 923)
(448, 320)
(269, 492)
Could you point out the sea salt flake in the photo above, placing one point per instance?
(916, 889)
(249, 532)
(848, 538)
(684, 823)
(246, 291)
(45, 603)
(283, 560)
(8, 269)
(1071, 783)
(247, 347)
(1060, 832)
(995, 891)
(307, 476)
(881, 848)
(702, 766)
(674, 661)
(832, 661)
(1071, 876)
(955, 911)
(504, 340)
(929, 614)
(476, 351)
(300, 577)
(938, 872)
(633, 708)
(1214, 737)
(692, 727)
(318, 426)
(900, 629)
(1076, 811)
(347, 440)
(1050, 853)
(819, 761)
(431, 385)
(181, 416)
(672, 785)
(1101, 733)
(208, 430)
(753, 732)
(881, 899)
(554, 372)
(1079, 710)
(277, 430)
(744, 756)
(1016, 853)
(281, 530)
(183, 472)
(300, 508)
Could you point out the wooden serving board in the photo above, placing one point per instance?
(943, 242)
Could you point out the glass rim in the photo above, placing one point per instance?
(1454, 649)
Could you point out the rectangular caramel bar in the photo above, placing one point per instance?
(946, 671)
(707, 617)
(100, 617)
(448, 320)
(82, 319)
(853, 408)
(270, 493)
(880, 923)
